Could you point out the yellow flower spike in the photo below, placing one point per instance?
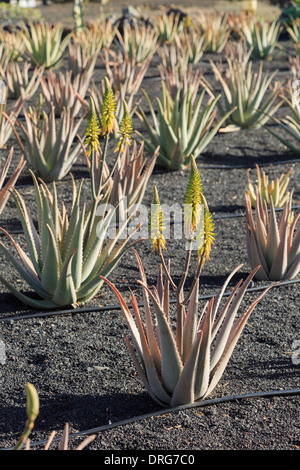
(156, 223)
(125, 129)
(209, 235)
(108, 109)
(193, 198)
(92, 129)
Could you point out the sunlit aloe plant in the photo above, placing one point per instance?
(293, 29)
(275, 189)
(21, 83)
(65, 90)
(11, 181)
(273, 244)
(167, 26)
(180, 361)
(215, 28)
(50, 147)
(44, 44)
(12, 43)
(252, 94)
(192, 44)
(138, 42)
(262, 37)
(183, 127)
(81, 59)
(176, 71)
(66, 253)
(98, 34)
(288, 128)
(5, 58)
(8, 117)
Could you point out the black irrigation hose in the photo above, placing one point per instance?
(200, 404)
(238, 167)
(201, 167)
(51, 313)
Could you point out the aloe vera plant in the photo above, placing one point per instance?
(192, 44)
(181, 128)
(168, 26)
(288, 131)
(252, 94)
(44, 45)
(20, 82)
(215, 28)
(176, 71)
(138, 42)
(81, 59)
(49, 146)
(275, 190)
(5, 188)
(66, 253)
(8, 117)
(293, 29)
(182, 364)
(63, 90)
(262, 37)
(12, 44)
(273, 244)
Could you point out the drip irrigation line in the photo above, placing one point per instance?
(102, 308)
(200, 404)
(200, 166)
(241, 167)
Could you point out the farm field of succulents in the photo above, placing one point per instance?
(150, 231)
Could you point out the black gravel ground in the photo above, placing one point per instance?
(78, 360)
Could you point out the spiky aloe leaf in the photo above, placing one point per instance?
(4, 190)
(171, 364)
(65, 292)
(157, 223)
(52, 264)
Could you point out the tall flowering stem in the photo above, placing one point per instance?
(199, 229)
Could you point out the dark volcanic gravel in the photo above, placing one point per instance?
(79, 363)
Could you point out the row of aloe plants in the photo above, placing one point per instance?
(184, 120)
(69, 260)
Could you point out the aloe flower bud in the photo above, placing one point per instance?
(92, 129)
(108, 109)
(125, 130)
(209, 235)
(156, 223)
(193, 198)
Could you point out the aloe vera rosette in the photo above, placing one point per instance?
(273, 244)
(183, 127)
(177, 375)
(66, 254)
